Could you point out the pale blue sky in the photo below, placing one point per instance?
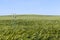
(46, 7)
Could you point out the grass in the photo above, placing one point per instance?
(30, 27)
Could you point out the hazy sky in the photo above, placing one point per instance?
(30, 7)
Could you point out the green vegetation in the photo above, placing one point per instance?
(30, 27)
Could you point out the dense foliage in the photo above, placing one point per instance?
(24, 29)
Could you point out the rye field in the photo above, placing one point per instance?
(30, 27)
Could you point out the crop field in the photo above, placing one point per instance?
(30, 27)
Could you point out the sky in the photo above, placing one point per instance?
(44, 7)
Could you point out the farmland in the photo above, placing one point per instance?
(30, 27)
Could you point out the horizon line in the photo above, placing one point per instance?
(31, 14)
